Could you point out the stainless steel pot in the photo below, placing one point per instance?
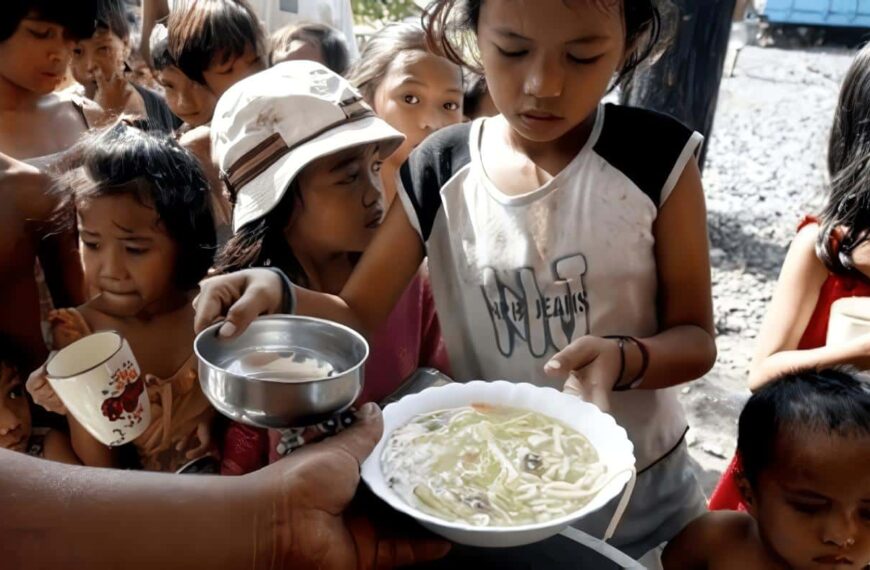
(266, 399)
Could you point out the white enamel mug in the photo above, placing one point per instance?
(99, 381)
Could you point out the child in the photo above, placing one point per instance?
(16, 430)
(192, 102)
(549, 229)
(328, 179)
(414, 90)
(99, 64)
(805, 444)
(312, 41)
(829, 259)
(27, 235)
(147, 238)
(36, 41)
(217, 42)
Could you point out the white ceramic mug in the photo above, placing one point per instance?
(99, 381)
(850, 318)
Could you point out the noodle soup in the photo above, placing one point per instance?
(492, 466)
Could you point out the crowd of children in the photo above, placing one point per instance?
(460, 193)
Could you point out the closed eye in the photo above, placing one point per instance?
(508, 53)
(808, 508)
(584, 60)
(38, 34)
(90, 245)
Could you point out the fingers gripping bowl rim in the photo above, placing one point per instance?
(611, 442)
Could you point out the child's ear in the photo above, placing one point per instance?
(745, 491)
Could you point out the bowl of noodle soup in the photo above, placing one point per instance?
(499, 464)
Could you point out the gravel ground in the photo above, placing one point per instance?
(765, 169)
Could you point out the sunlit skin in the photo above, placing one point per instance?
(221, 75)
(546, 75)
(34, 121)
(419, 94)
(191, 102)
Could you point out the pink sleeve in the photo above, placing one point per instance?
(433, 353)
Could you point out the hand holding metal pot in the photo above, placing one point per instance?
(238, 298)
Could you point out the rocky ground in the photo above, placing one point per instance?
(765, 168)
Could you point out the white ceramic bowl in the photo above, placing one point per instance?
(610, 440)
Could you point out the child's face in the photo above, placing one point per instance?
(104, 53)
(128, 258)
(14, 410)
(340, 204)
(192, 102)
(419, 94)
(549, 63)
(813, 503)
(220, 76)
(36, 56)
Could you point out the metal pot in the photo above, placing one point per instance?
(272, 399)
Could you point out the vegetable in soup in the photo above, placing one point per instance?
(492, 466)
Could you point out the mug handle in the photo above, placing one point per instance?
(622, 506)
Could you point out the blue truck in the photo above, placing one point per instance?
(826, 13)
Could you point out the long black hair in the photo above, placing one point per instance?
(845, 219)
(452, 24)
(127, 158)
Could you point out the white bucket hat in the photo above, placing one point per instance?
(269, 126)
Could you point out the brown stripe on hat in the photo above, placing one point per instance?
(261, 157)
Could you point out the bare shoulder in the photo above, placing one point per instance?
(26, 187)
(197, 140)
(707, 539)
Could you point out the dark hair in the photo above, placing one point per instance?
(451, 24)
(151, 166)
(77, 17)
(262, 243)
(834, 401)
(845, 220)
(381, 50)
(475, 90)
(112, 16)
(203, 30)
(331, 42)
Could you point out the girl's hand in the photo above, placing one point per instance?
(241, 296)
(590, 367)
(42, 392)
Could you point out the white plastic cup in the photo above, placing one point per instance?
(850, 319)
(99, 381)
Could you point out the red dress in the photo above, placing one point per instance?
(726, 496)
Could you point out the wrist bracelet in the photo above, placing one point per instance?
(620, 342)
(288, 296)
(644, 355)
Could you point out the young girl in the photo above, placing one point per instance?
(146, 237)
(829, 259)
(99, 64)
(16, 428)
(36, 42)
(312, 41)
(329, 179)
(549, 229)
(805, 444)
(414, 90)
